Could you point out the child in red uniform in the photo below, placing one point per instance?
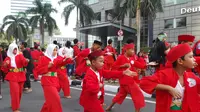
(109, 55)
(14, 65)
(176, 89)
(36, 54)
(128, 85)
(92, 85)
(62, 76)
(83, 58)
(47, 67)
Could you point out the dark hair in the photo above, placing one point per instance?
(55, 42)
(97, 42)
(24, 44)
(43, 49)
(129, 41)
(110, 41)
(174, 64)
(75, 41)
(68, 44)
(183, 41)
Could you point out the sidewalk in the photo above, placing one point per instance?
(107, 87)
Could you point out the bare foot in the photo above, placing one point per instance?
(68, 97)
(109, 108)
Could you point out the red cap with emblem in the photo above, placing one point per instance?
(189, 38)
(177, 52)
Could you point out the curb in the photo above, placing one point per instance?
(109, 88)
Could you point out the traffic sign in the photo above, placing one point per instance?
(120, 38)
(120, 33)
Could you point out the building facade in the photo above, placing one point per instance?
(105, 26)
(22, 5)
(178, 17)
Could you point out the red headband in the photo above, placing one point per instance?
(189, 38)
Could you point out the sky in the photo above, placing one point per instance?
(67, 31)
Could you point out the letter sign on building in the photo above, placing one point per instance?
(190, 10)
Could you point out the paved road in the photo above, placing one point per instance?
(33, 102)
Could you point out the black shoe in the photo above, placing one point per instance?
(35, 80)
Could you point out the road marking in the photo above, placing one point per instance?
(108, 94)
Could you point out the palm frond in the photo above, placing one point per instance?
(34, 21)
(151, 7)
(49, 9)
(9, 17)
(24, 21)
(11, 31)
(67, 11)
(23, 32)
(39, 5)
(87, 13)
(51, 25)
(5, 24)
(33, 10)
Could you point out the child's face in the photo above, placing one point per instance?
(98, 63)
(190, 44)
(15, 51)
(130, 52)
(189, 61)
(54, 52)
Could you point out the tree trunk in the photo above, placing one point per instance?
(138, 23)
(42, 30)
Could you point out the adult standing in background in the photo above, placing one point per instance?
(29, 67)
(70, 54)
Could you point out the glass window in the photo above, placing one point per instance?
(181, 1)
(169, 2)
(169, 23)
(172, 2)
(92, 1)
(181, 22)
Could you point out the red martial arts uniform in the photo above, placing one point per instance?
(91, 90)
(50, 83)
(62, 76)
(76, 52)
(35, 54)
(109, 57)
(16, 77)
(128, 85)
(82, 67)
(164, 100)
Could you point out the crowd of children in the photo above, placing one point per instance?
(175, 81)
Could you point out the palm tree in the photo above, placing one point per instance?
(85, 13)
(42, 16)
(135, 7)
(17, 26)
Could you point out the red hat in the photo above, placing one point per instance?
(189, 38)
(95, 54)
(177, 52)
(129, 46)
